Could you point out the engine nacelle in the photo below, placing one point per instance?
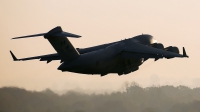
(158, 45)
(172, 49)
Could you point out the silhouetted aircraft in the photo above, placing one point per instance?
(120, 57)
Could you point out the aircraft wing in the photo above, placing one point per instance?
(137, 50)
(48, 57)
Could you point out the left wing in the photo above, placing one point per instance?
(48, 57)
(137, 50)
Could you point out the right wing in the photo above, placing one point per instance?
(137, 50)
(48, 57)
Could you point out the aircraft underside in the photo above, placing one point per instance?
(117, 65)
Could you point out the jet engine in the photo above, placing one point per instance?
(158, 45)
(172, 49)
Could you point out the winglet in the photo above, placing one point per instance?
(13, 56)
(184, 53)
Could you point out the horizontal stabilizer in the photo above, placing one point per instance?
(57, 31)
(66, 34)
(41, 34)
(13, 56)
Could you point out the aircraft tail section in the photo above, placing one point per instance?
(60, 43)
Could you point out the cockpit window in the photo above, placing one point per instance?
(154, 40)
(145, 39)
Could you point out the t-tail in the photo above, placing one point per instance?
(60, 43)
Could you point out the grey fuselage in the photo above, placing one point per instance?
(104, 59)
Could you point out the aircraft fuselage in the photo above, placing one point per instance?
(120, 57)
(115, 65)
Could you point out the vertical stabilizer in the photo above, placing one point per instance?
(61, 44)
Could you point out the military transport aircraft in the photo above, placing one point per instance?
(121, 57)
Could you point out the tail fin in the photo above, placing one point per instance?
(60, 43)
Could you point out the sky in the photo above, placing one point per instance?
(172, 23)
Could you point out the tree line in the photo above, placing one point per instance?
(133, 99)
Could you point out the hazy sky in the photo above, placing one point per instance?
(171, 22)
